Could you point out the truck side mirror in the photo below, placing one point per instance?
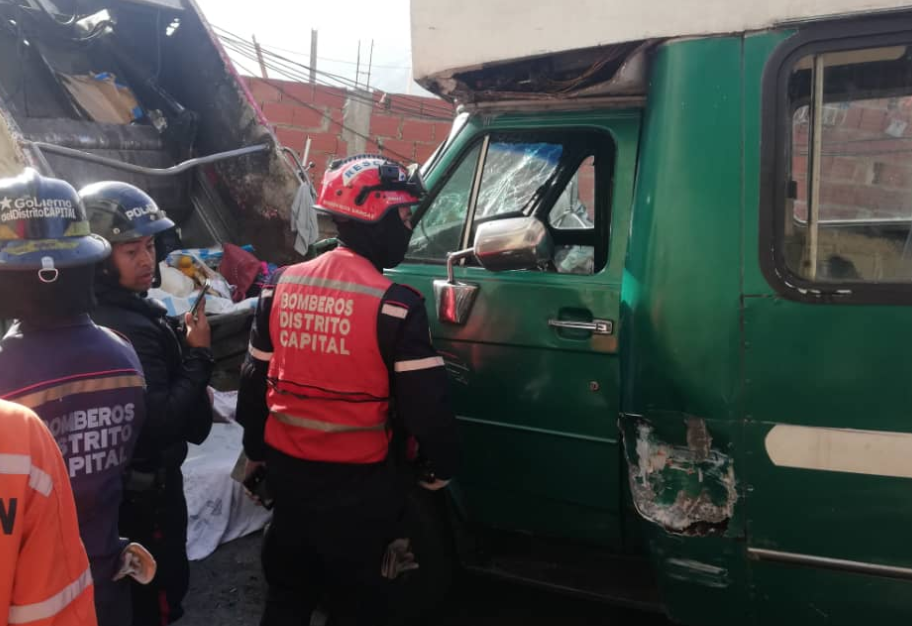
(515, 243)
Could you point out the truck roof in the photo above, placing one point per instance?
(454, 38)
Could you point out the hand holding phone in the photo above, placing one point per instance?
(199, 335)
(200, 299)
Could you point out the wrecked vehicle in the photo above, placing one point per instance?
(692, 390)
(141, 91)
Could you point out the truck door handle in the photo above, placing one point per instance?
(596, 327)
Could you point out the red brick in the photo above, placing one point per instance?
(423, 151)
(844, 168)
(398, 149)
(323, 142)
(872, 120)
(890, 175)
(305, 117)
(887, 201)
(341, 148)
(413, 130)
(799, 165)
(338, 119)
(263, 92)
(801, 184)
(298, 92)
(292, 138)
(441, 131)
(853, 117)
(384, 126)
(279, 113)
(331, 97)
(831, 193)
(372, 147)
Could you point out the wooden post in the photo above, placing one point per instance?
(259, 53)
(358, 65)
(370, 64)
(313, 56)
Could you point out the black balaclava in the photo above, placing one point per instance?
(37, 302)
(384, 244)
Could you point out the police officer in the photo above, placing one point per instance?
(178, 406)
(334, 344)
(84, 381)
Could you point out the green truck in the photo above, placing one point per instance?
(667, 253)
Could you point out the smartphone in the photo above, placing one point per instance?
(199, 300)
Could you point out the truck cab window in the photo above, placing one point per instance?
(516, 174)
(553, 176)
(848, 213)
(575, 211)
(439, 231)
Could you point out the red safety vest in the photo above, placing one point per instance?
(329, 386)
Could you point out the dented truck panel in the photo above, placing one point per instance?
(681, 355)
(687, 488)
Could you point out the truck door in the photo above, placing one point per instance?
(534, 369)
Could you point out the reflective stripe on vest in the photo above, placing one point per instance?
(329, 384)
(21, 465)
(25, 613)
(328, 283)
(67, 387)
(324, 427)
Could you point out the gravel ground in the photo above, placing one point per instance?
(227, 588)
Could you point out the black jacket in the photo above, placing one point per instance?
(177, 404)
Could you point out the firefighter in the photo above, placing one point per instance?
(85, 382)
(177, 402)
(42, 560)
(334, 344)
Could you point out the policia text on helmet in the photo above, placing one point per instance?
(47, 251)
(134, 224)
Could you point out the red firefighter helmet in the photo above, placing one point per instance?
(368, 186)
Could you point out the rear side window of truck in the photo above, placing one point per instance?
(837, 222)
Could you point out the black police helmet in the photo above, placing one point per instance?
(43, 226)
(121, 212)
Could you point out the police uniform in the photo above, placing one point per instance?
(177, 403)
(44, 573)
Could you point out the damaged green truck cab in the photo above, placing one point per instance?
(712, 370)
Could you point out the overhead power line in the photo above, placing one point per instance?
(326, 115)
(246, 48)
(292, 69)
(281, 68)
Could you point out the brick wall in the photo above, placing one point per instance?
(866, 169)
(866, 174)
(302, 110)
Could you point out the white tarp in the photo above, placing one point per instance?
(453, 36)
(219, 511)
